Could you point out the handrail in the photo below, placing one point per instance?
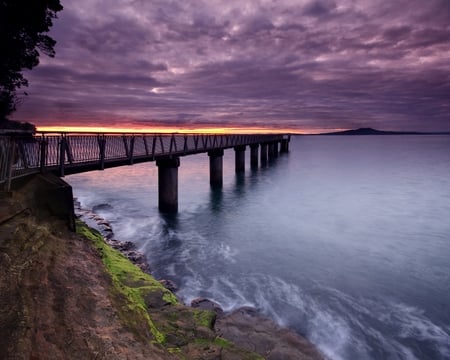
(72, 152)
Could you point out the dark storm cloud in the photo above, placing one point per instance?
(319, 8)
(299, 64)
(66, 75)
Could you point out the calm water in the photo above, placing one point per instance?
(345, 239)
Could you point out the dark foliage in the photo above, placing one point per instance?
(23, 28)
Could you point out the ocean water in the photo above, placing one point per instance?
(346, 239)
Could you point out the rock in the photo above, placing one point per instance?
(249, 330)
(107, 228)
(145, 267)
(123, 245)
(135, 256)
(104, 222)
(206, 304)
(169, 285)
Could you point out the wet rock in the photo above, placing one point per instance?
(249, 330)
(206, 304)
(123, 245)
(104, 222)
(145, 267)
(169, 285)
(135, 256)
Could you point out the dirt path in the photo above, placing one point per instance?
(55, 299)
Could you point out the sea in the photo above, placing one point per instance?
(345, 239)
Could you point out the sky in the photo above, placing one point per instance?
(302, 66)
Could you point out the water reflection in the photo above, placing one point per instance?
(350, 250)
(216, 200)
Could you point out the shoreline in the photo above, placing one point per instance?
(70, 294)
(235, 325)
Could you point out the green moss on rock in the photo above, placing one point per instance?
(204, 318)
(153, 312)
(128, 280)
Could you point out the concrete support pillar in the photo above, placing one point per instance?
(271, 151)
(284, 146)
(263, 154)
(254, 156)
(239, 152)
(216, 168)
(275, 149)
(168, 184)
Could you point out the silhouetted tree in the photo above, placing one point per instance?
(23, 28)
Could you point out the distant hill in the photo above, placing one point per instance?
(370, 131)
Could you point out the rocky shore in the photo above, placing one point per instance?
(244, 326)
(71, 295)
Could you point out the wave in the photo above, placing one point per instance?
(340, 325)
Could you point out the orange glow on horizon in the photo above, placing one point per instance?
(169, 130)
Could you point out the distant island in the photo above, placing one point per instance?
(370, 131)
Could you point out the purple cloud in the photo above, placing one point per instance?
(300, 64)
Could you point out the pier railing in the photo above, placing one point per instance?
(69, 153)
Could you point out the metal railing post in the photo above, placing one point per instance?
(68, 150)
(196, 137)
(145, 144)
(62, 155)
(125, 144)
(12, 154)
(43, 150)
(153, 146)
(162, 144)
(131, 150)
(23, 154)
(172, 144)
(185, 146)
(101, 147)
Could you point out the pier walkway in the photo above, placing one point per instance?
(70, 153)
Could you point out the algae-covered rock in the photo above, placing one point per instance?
(155, 311)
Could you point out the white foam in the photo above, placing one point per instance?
(227, 252)
(415, 325)
(404, 321)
